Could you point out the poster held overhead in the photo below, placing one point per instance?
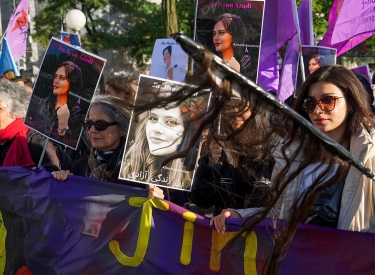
(71, 38)
(160, 133)
(169, 61)
(232, 30)
(66, 83)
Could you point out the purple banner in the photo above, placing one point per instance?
(83, 226)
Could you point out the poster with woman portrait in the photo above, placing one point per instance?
(62, 93)
(232, 30)
(160, 133)
(169, 60)
(316, 56)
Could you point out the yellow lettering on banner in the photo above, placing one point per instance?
(251, 247)
(187, 239)
(144, 231)
(3, 236)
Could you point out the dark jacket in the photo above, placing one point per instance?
(224, 186)
(54, 153)
(81, 167)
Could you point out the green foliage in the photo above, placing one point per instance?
(99, 34)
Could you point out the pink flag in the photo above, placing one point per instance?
(17, 30)
(351, 22)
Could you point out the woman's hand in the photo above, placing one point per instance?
(216, 151)
(63, 114)
(154, 191)
(219, 220)
(61, 175)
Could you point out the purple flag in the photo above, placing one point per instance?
(17, 30)
(290, 68)
(278, 28)
(351, 24)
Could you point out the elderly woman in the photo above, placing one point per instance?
(21, 146)
(107, 126)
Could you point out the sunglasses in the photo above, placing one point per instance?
(100, 125)
(326, 103)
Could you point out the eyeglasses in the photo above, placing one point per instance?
(326, 103)
(100, 125)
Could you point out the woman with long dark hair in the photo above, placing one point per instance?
(60, 110)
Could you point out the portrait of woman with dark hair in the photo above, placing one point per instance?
(167, 57)
(316, 61)
(159, 135)
(228, 29)
(58, 110)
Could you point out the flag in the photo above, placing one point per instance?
(6, 60)
(278, 28)
(351, 23)
(17, 29)
(304, 25)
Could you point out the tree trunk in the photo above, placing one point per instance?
(169, 17)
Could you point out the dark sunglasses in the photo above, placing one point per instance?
(100, 125)
(326, 103)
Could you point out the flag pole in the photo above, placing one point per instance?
(296, 23)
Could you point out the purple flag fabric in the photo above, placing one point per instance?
(290, 68)
(85, 226)
(278, 28)
(17, 30)
(351, 24)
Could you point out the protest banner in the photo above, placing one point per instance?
(66, 83)
(232, 30)
(157, 134)
(168, 60)
(86, 226)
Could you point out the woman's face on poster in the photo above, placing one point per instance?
(313, 65)
(60, 83)
(164, 131)
(221, 38)
(166, 57)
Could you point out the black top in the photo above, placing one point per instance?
(224, 186)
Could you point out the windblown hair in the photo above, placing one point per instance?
(15, 97)
(116, 108)
(296, 147)
(139, 158)
(123, 86)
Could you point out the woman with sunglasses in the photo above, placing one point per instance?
(107, 126)
(334, 101)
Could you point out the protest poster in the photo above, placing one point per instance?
(313, 58)
(158, 134)
(63, 90)
(168, 60)
(316, 56)
(71, 38)
(232, 30)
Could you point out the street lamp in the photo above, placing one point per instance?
(76, 20)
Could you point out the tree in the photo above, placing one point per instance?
(169, 17)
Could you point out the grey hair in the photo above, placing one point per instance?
(116, 108)
(15, 97)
